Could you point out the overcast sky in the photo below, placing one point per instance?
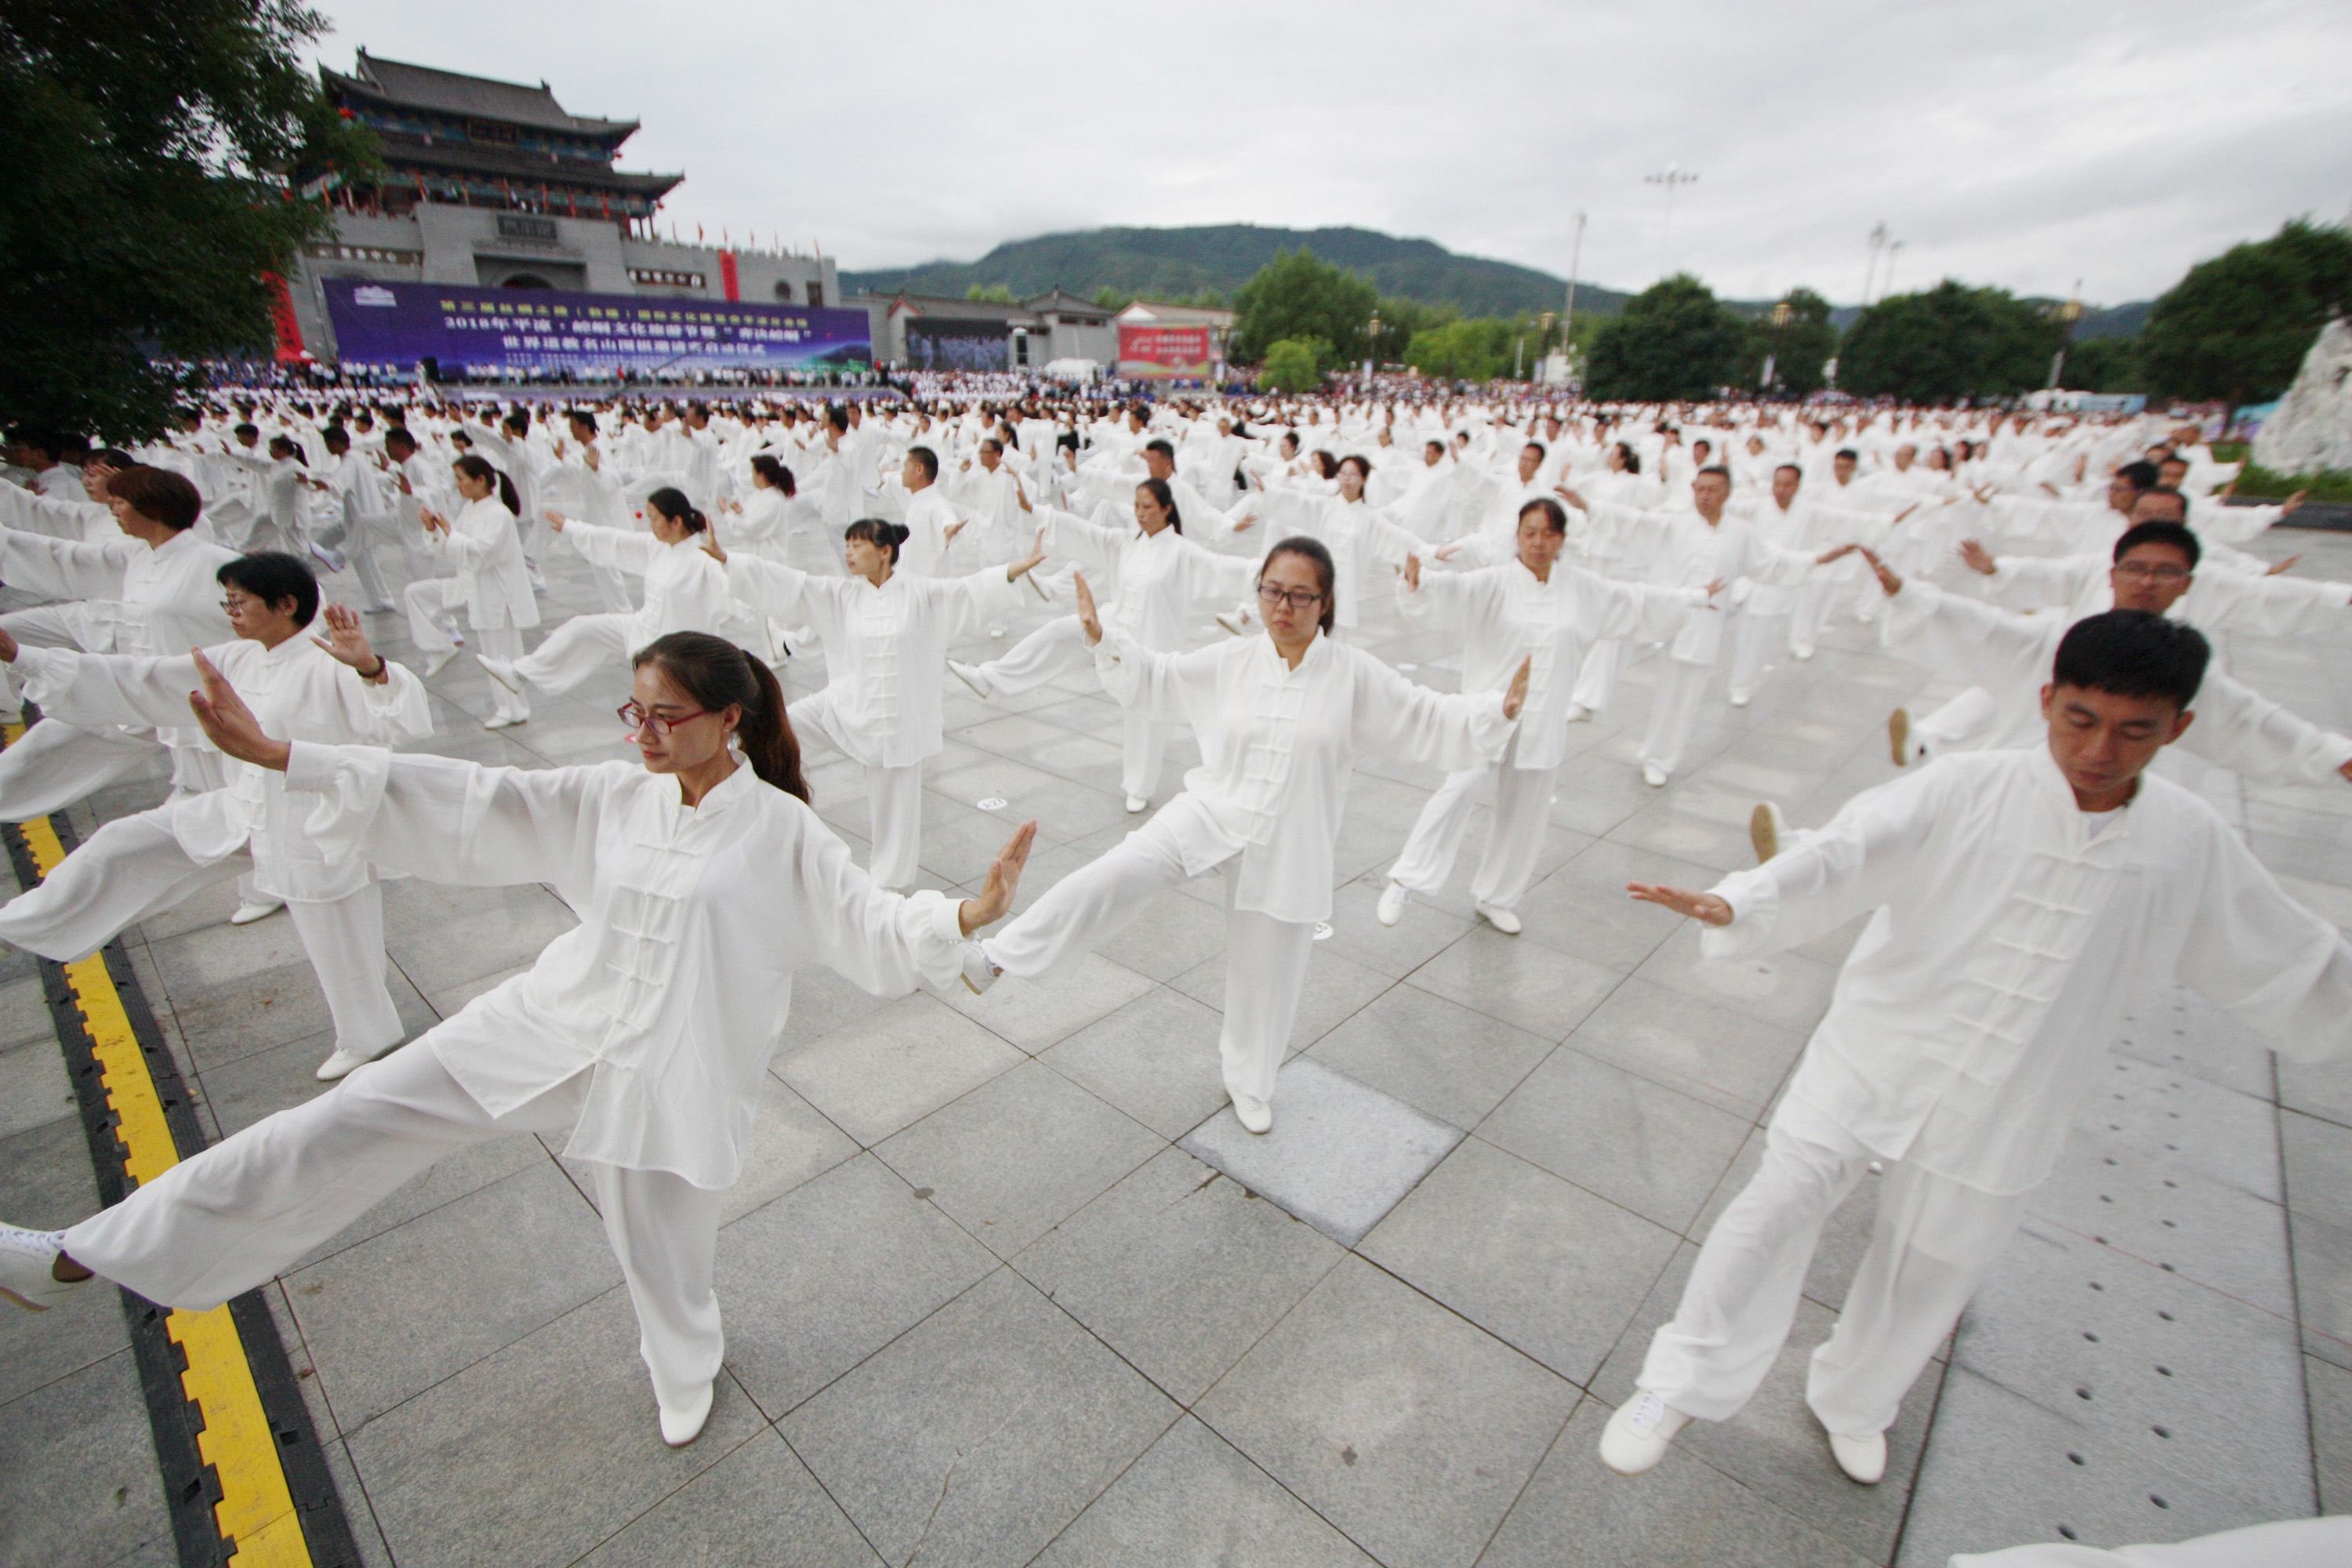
(2019, 144)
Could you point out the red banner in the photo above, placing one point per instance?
(282, 317)
(1169, 352)
(726, 274)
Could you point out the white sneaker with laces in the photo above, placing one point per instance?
(1136, 803)
(970, 675)
(1653, 775)
(1254, 1114)
(1502, 919)
(501, 670)
(505, 720)
(1742, 699)
(1863, 1459)
(25, 1259)
(254, 910)
(1640, 1433)
(1391, 909)
(679, 1428)
(339, 1063)
(436, 663)
(979, 972)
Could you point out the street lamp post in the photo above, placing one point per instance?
(1894, 254)
(2068, 314)
(1877, 244)
(1575, 262)
(1372, 349)
(1783, 313)
(1670, 177)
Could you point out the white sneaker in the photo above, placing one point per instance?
(505, 720)
(332, 560)
(502, 670)
(1640, 1433)
(1898, 736)
(1391, 909)
(970, 675)
(1766, 828)
(538, 583)
(1803, 652)
(1502, 919)
(1576, 714)
(1136, 803)
(1653, 775)
(436, 663)
(1254, 1114)
(254, 910)
(1863, 1459)
(341, 1062)
(679, 1428)
(26, 1258)
(1742, 699)
(979, 970)
(1232, 622)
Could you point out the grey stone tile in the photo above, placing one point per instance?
(791, 1143)
(2321, 1089)
(1787, 990)
(2184, 1033)
(1535, 988)
(45, 1183)
(1635, 1143)
(265, 1082)
(236, 990)
(2174, 1217)
(823, 1001)
(1034, 1017)
(1393, 951)
(403, 1310)
(1337, 985)
(976, 1436)
(1155, 1058)
(34, 1088)
(1017, 1156)
(2318, 1156)
(449, 1178)
(2322, 1285)
(1339, 1155)
(758, 1508)
(1730, 1060)
(1541, 1264)
(538, 1452)
(814, 1283)
(2330, 1389)
(25, 1014)
(1403, 1426)
(1170, 936)
(1435, 1055)
(1178, 1270)
(1683, 1514)
(450, 1001)
(1192, 1501)
(449, 935)
(1596, 920)
(876, 1074)
(78, 1476)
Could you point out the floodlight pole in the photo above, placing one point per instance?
(1670, 176)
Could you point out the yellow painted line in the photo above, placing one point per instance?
(256, 1507)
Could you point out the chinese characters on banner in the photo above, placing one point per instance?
(1166, 353)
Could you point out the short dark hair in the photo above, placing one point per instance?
(2140, 476)
(168, 498)
(1555, 515)
(1161, 446)
(2176, 534)
(1849, 452)
(271, 575)
(1788, 469)
(400, 433)
(1714, 469)
(2130, 653)
(925, 459)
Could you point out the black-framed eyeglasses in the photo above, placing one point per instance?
(1298, 598)
(2162, 572)
(637, 716)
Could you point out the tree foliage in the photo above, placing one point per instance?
(2238, 326)
(1798, 351)
(1290, 366)
(1299, 297)
(1673, 341)
(153, 154)
(1948, 343)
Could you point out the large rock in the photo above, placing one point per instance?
(2311, 427)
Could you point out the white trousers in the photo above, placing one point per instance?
(134, 868)
(356, 537)
(43, 625)
(578, 649)
(250, 1206)
(1596, 677)
(1814, 596)
(1057, 648)
(433, 605)
(612, 588)
(1963, 724)
(1675, 712)
(1265, 959)
(1522, 815)
(1753, 643)
(1931, 1246)
(53, 765)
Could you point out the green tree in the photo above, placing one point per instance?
(155, 155)
(1298, 297)
(2105, 364)
(1798, 351)
(994, 293)
(1290, 366)
(1113, 300)
(1949, 341)
(1674, 341)
(2238, 326)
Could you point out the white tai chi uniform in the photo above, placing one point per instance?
(645, 1032)
(1263, 809)
(885, 656)
(686, 591)
(492, 582)
(2011, 931)
(1146, 584)
(1505, 615)
(137, 867)
(129, 599)
(1359, 537)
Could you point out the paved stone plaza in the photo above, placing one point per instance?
(1007, 1284)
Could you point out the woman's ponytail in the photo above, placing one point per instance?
(766, 732)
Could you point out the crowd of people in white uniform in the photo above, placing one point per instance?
(2026, 879)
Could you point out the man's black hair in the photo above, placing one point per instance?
(2141, 476)
(271, 575)
(1161, 446)
(2130, 653)
(2176, 534)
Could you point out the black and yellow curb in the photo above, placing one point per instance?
(243, 1474)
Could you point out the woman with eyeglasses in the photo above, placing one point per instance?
(489, 578)
(332, 689)
(1281, 720)
(1161, 579)
(886, 635)
(703, 881)
(686, 591)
